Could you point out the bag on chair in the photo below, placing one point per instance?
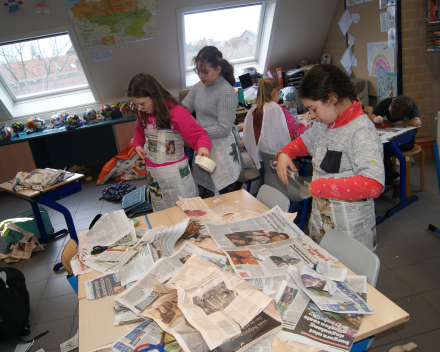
(14, 304)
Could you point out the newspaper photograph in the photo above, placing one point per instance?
(342, 301)
(270, 227)
(166, 183)
(148, 333)
(267, 260)
(123, 316)
(220, 304)
(165, 312)
(164, 146)
(109, 229)
(78, 267)
(103, 286)
(141, 294)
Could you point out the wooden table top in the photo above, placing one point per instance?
(96, 317)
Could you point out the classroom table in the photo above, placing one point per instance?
(96, 316)
(48, 197)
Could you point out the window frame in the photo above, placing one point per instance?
(14, 107)
(267, 25)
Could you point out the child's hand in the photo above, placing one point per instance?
(283, 163)
(378, 120)
(202, 151)
(140, 152)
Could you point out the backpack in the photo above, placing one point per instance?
(117, 191)
(14, 304)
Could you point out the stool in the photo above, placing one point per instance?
(416, 150)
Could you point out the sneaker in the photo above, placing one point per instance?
(411, 160)
(396, 188)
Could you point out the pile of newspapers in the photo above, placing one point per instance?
(211, 284)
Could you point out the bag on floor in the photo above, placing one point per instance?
(14, 304)
(117, 191)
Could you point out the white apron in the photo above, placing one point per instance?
(167, 183)
(274, 132)
(224, 153)
(354, 218)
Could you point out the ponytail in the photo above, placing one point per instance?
(265, 88)
(214, 57)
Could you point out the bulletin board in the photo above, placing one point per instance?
(367, 31)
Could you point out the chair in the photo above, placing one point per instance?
(291, 191)
(69, 251)
(358, 258)
(416, 150)
(248, 175)
(270, 197)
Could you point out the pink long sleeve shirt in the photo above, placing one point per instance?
(182, 122)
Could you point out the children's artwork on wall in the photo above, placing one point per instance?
(380, 58)
(391, 11)
(382, 4)
(391, 2)
(356, 18)
(392, 37)
(349, 2)
(13, 7)
(386, 85)
(41, 6)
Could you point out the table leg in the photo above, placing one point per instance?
(437, 162)
(39, 220)
(63, 210)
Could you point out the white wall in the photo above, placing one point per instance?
(300, 33)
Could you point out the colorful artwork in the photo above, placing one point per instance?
(386, 85)
(380, 58)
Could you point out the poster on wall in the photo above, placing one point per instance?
(101, 22)
(386, 85)
(380, 58)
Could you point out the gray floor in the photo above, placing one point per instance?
(409, 254)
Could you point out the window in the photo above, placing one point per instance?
(242, 30)
(40, 66)
(229, 29)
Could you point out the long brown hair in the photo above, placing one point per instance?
(265, 89)
(143, 85)
(214, 57)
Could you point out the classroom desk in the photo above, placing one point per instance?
(48, 197)
(96, 317)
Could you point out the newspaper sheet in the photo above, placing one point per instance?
(24, 248)
(331, 271)
(305, 323)
(170, 318)
(264, 345)
(141, 294)
(109, 229)
(269, 285)
(198, 208)
(103, 286)
(285, 345)
(270, 227)
(148, 333)
(267, 260)
(222, 210)
(164, 146)
(342, 301)
(165, 238)
(312, 279)
(78, 267)
(358, 284)
(386, 134)
(123, 316)
(223, 307)
(112, 255)
(141, 258)
(90, 260)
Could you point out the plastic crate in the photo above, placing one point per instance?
(31, 226)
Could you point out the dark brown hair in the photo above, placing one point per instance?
(401, 106)
(324, 79)
(265, 88)
(143, 85)
(211, 55)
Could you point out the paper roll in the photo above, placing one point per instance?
(205, 163)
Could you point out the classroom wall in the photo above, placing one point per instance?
(297, 20)
(421, 69)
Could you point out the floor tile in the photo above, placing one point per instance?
(57, 242)
(422, 276)
(59, 331)
(57, 287)
(433, 297)
(36, 289)
(428, 243)
(49, 255)
(427, 341)
(392, 286)
(33, 309)
(75, 326)
(385, 337)
(399, 254)
(387, 347)
(109, 207)
(85, 214)
(56, 308)
(83, 224)
(422, 317)
(38, 272)
(90, 203)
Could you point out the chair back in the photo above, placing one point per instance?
(353, 254)
(271, 178)
(270, 197)
(69, 251)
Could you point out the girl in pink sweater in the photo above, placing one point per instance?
(162, 127)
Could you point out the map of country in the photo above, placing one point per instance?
(118, 15)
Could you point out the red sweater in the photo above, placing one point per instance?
(346, 188)
(182, 122)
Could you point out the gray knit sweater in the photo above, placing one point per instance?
(215, 107)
